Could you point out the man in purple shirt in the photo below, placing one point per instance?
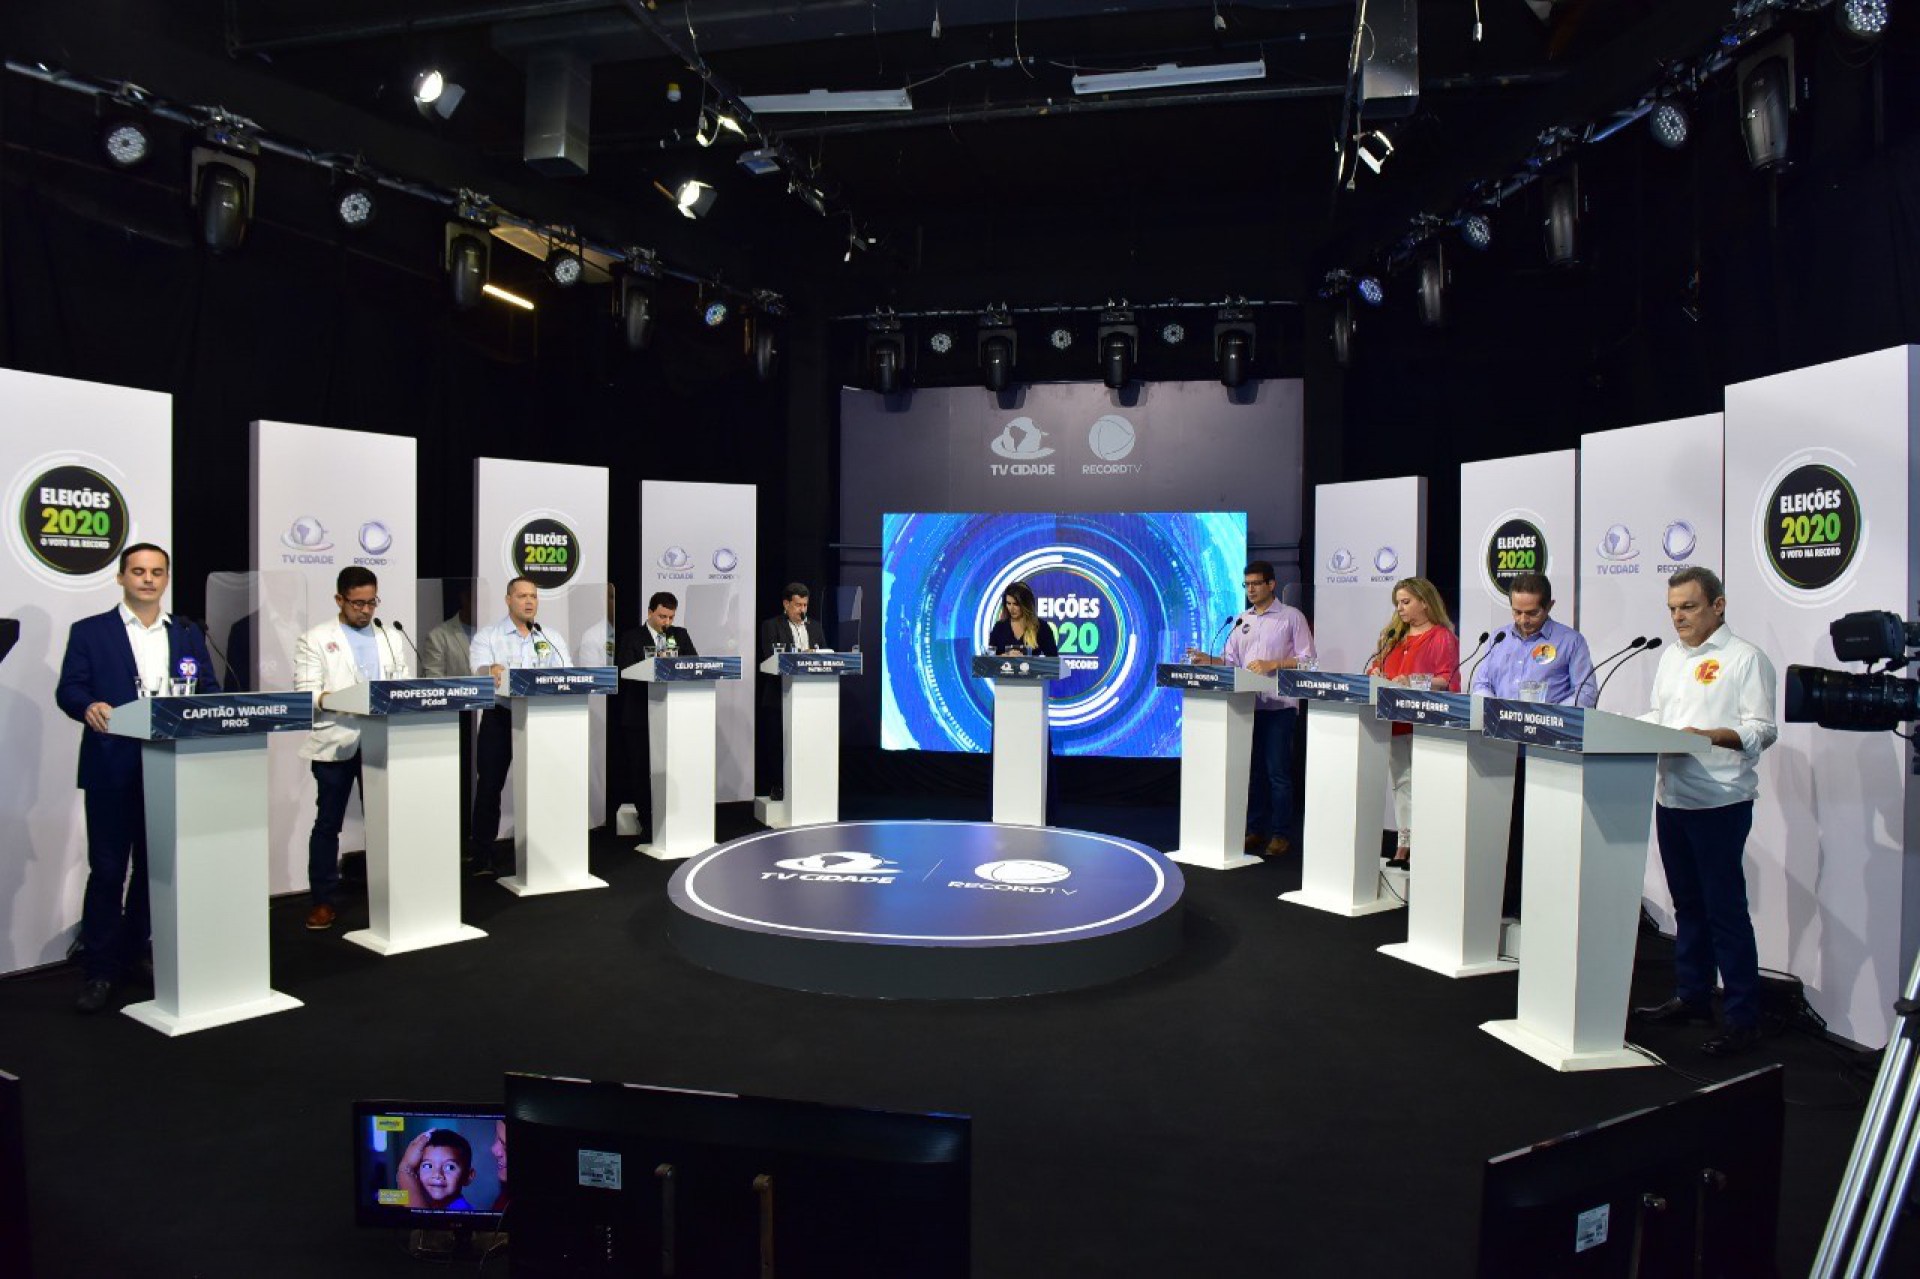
(1535, 649)
(1269, 636)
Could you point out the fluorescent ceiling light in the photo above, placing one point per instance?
(831, 100)
(1170, 75)
(512, 299)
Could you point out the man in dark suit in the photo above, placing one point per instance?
(798, 633)
(112, 658)
(655, 634)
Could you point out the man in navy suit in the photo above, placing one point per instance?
(113, 658)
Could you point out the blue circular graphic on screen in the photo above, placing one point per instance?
(1121, 592)
(375, 538)
(1679, 541)
(725, 561)
(1385, 560)
(964, 884)
(1342, 561)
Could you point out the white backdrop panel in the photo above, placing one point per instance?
(1832, 891)
(1649, 505)
(1367, 535)
(111, 449)
(1517, 514)
(322, 499)
(548, 521)
(697, 540)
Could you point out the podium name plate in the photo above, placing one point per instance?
(1038, 669)
(556, 681)
(1416, 706)
(813, 662)
(420, 696)
(1561, 728)
(687, 669)
(1325, 686)
(168, 719)
(1195, 677)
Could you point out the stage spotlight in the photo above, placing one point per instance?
(1374, 149)
(1766, 98)
(436, 96)
(1476, 229)
(1343, 334)
(1562, 193)
(1173, 333)
(565, 268)
(636, 315)
(886, 353)
(763, 340)
(1864, 18)
(712, 122)
(354, 207)
(1233, 344)
(1431, 288)
(466, 262)
(998, 348)
(1119, 344)
(1371, 291)
(1061, 338)
(694, 199)
(223, 192)
(713, 314)
(126, 142)
(1668, 121)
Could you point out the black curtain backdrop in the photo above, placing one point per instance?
(1808, 265)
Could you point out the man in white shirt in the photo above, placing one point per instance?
(516, 640)
(1717, 685)
(336, 655)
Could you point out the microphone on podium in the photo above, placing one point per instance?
(1481, 643)
(402, 632)
(206, 633)
(1648, 647)
(1639, 642)
(1467, 683)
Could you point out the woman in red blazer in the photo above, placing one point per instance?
(1418, 642)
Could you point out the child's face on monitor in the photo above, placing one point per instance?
(442, 1175)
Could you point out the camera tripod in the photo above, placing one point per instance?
(1880, 1175)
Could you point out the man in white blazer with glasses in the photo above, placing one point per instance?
(335, 655)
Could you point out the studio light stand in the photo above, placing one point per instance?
(1879, 1176)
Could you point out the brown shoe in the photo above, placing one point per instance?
(321, 917)
(1252, 843)
(1277, 847)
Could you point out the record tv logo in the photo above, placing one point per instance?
(1017, 875)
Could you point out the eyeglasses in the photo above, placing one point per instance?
(347, 603)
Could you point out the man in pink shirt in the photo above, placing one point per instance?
(1269, 636)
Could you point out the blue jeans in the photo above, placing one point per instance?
(335, 780)
(1701, 849)
(1270, 780)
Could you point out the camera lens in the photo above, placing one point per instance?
(1841, 700)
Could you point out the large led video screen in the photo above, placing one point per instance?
(1123, 592)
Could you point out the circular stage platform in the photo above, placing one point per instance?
(927, 910)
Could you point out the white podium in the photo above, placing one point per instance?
(204, 764)
(1216, 749)
(1463, 798)
(410, 783)
(809, 737)
(1019, 735)
(683, 701)
(1346, 792)
(1589, 805)
(550, 754)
